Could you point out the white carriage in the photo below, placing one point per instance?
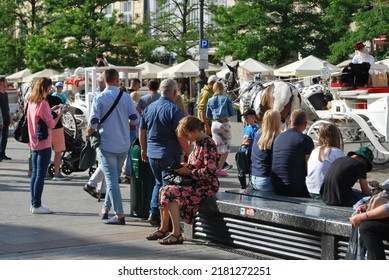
(82, 103)
(361, 114)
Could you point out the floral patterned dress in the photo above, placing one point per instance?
(203, 165)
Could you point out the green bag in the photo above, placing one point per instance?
(95, 139)
(87, 156)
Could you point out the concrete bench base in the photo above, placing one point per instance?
(283, 227)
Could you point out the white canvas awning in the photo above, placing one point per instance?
(308, 66)
(186, 69)
(254, 66)
(18, 76)
(41, 74)
(344, 63)
(150, 70)
(384, 61)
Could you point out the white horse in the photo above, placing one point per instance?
(278, 95)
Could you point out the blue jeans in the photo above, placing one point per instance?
(356, 196)
(262, 183)
(40, 162)
(111, 164)
(133, 136)
(159, 169)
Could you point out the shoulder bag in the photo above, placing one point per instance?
(21, 128)
(95, 137)
(88, 153)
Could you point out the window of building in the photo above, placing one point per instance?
(107, 11)
(126, 11)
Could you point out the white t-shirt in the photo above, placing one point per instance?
(317, 169)
(359, 59)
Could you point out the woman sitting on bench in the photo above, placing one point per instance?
(184, 201)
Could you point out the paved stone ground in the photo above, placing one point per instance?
(76, 232)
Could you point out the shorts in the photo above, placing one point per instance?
(58, 140)
(221, 134)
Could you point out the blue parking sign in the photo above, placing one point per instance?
(203, 44)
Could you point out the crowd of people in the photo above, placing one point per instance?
(286, 163)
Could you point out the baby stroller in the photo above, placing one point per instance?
(71, 156)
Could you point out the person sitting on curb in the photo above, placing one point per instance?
(373, 225)
(261, 155)
(344, 172)
(291, 150)
(327, 151)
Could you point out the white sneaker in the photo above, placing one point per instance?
(32, 207)
(60, 177)
(41, 210)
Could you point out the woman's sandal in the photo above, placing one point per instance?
(159, 234)
(168, 241)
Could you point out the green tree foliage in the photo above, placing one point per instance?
(75, 31)
(276, 31)
(72, 36)
(11, 47)
(371, 20)
(271, 31)
(175, 26)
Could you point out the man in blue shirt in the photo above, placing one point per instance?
(114, 140)
(159, 143)
(291, 152)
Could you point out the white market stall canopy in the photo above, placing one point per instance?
(308, 66)
(18, 76)
(150, 70)
(385, 61)
(188, 68)
(254, 66)
(344, 63)
(48, 73)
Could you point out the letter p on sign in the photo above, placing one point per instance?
(204, 44)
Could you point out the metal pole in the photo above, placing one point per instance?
(201, 35)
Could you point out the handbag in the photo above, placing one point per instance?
(87, 156)
(42, 132)
(95, 136)
(21, 129)
(243, 161)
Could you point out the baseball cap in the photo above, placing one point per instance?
(212, 79)
(59, 84)
(366, 153)
(359, 45)
(249, 112)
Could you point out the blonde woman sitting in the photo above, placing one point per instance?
(261, 154)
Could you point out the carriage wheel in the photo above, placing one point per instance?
(379, 158)
(70, 122)
(314, 132)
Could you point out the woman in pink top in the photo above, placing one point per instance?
(39, 109)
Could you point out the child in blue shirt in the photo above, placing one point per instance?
(243, 156)
(59, 92)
